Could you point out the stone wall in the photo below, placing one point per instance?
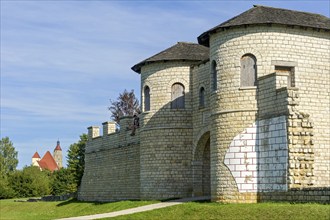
(201, 129)
(257, 158)
(112, 164)
(301, 145)
(201, 114)
(166, 163)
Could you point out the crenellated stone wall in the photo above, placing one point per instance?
(112, 163)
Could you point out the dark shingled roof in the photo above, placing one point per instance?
(180, 51)
(269, 15)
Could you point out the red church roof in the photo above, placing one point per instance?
(36, 155)
(58, 147)
(48, 162)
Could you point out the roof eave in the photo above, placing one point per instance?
(137, 68)
(204, 38)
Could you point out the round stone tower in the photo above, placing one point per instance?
(253, 45)
(58, 157)
(166, 121)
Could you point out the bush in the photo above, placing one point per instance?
(63, 182)
(6, 192)
(30, 182)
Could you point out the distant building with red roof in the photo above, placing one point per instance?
(35, 158)
(36, 155)
(49, 161)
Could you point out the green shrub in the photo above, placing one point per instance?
(63, 182)
(6, 192)
(30, 182)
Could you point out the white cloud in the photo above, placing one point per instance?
(53, 103)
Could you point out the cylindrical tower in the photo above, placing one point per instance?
(249, 146)
(234, 108)
(166, 123)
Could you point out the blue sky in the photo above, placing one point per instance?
(61, 61)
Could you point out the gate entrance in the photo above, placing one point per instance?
(201, 167)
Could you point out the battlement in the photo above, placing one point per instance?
(112, 136)
(275, 94)
(112, 159)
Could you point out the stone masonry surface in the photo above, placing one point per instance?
(257, 158)
(266, 142)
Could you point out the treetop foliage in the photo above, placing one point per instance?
(30, 182)
(76, 158)
(125, 105)
(8, 156)
(63, 182)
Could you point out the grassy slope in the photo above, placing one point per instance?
(192, 210)
(267, 211)
(51, 210)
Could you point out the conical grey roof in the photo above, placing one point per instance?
(179, 51)
(269, 15)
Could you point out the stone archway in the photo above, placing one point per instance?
(201, 167)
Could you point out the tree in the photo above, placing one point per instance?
(8, 157)
(6, 191)
(63, 182)
(125, 105)
(30, 181)
(76, 158)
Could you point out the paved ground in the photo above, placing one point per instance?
(138, 209)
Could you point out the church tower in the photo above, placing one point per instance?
(35, 159)
(58, 155)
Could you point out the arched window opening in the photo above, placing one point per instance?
(146, 98)
(214, 77)
(248, 70)
(202, 97)
(177, 96)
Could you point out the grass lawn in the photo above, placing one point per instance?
(52, 210)
(267, 211)
(190, 211)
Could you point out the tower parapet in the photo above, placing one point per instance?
(93, 132)
(109, 127)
